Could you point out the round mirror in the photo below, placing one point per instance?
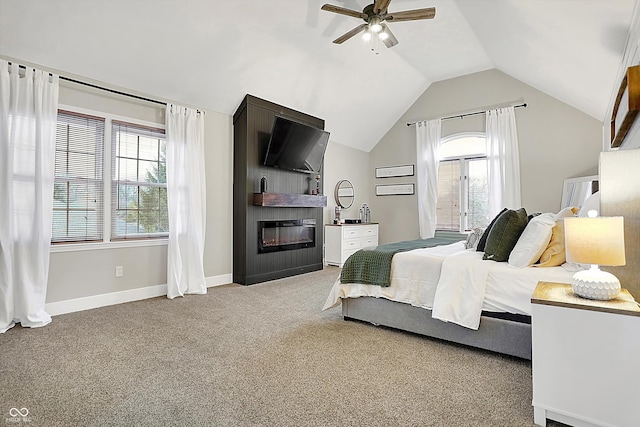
(344, 194)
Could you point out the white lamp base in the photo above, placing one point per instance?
(595, 284)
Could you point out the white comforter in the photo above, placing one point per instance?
(455, 283)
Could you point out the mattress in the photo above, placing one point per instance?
(415, 275)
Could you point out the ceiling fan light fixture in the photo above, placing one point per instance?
(375, 15)
(375, 25)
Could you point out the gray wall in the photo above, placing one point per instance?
(342, 162)
(85, 273)
(556, 141)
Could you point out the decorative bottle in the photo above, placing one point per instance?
(365, 213)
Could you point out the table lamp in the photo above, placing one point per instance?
(597, 241)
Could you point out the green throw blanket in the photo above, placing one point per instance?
(373, 266)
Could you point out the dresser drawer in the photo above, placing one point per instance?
(366, 242)
(347, 254)
(351, 244)
(351, 232)
(369, 230)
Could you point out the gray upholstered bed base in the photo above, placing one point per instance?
(499, 335)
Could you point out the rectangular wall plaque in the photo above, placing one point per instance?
(394, 189)
(388, 172)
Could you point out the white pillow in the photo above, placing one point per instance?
(533, 241)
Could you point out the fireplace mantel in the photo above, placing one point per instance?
(288, 200)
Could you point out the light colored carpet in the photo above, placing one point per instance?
(260, 355)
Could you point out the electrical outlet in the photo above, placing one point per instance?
(119, 271)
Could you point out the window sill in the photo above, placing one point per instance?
(74, 247)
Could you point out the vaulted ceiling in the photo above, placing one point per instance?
(210, 53)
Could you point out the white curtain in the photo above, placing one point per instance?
(28, 115)
(503, 160)
(186, 201)
(427, 145)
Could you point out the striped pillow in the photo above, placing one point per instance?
(474, 238)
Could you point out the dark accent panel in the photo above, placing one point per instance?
(252, 124)
(273, 275)
(289, 200)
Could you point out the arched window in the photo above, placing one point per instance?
(462, 183)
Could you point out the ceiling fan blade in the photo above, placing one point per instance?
(381, 6)
(411, 15)
(390, 41)
(344, 11)
(348, 35)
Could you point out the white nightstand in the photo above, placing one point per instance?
(340, 241)
(586, 358)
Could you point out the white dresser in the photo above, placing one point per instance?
(342, 240)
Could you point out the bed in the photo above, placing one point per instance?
(450, 292)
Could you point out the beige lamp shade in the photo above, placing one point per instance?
(598, 241)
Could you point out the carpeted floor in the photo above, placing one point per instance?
(260, 355)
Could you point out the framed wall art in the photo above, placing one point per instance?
(394, 189)
(393, 171)
(626, 106)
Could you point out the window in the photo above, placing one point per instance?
(110, 180)
(78, 185)
(462, 183)
(139, 195)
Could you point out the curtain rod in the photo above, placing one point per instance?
(106, 89)
(117, 92)
(473, 113)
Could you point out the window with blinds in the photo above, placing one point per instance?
(448, 207)
(78, 186)
(139, 182)
(463, 196)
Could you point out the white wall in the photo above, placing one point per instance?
(556, 141)
(631, 57)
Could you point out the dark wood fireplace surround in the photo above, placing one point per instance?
(288, 197)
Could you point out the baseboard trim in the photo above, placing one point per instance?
(113, 298)
(222, 279)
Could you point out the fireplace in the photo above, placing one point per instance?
(286, 235)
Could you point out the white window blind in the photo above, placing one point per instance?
(477, 207)
(463, 193)
(78, 188)
(139, 182)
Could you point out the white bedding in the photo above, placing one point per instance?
(461, 289)
(415, 277)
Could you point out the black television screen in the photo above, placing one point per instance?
(296, 146)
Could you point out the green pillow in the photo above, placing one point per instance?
(483, 240)
(505, 234)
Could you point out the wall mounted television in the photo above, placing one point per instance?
(296, 146)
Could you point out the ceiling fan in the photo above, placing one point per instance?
(375, 17)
